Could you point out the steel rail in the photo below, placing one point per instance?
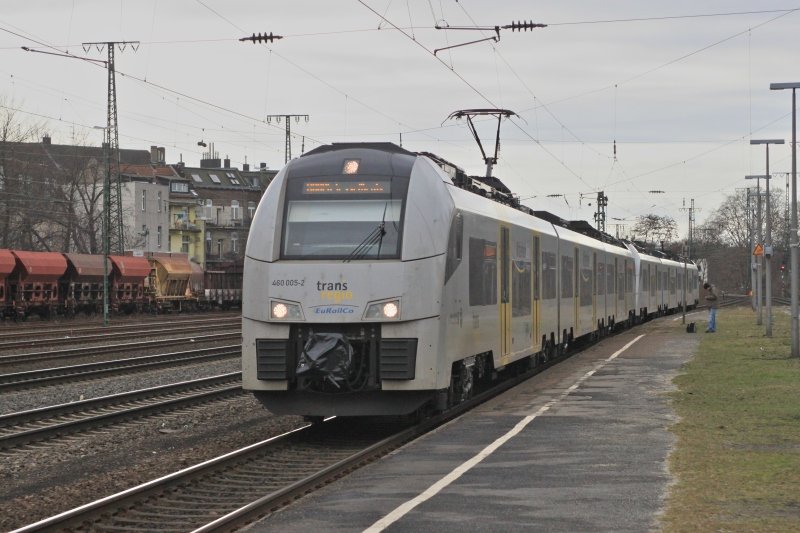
(6, 360)
(49, 376)
(35, 425)
(104, 335)
(58, 328)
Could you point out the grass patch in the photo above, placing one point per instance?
(737, 458)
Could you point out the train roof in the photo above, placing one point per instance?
(7, 263)
(130, 267)
(86, 265)
(40, 266)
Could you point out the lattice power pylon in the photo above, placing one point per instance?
(288, 148)
(113, 228)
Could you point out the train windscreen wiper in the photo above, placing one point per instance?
(374, 237)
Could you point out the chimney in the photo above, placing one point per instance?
(246, 167)
(46, 139)
(263, 167)
(153, 155)
(226, 163)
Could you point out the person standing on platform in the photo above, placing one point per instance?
(711, 299)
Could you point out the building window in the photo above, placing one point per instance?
(178, 186)
(234, 242)
(158, 234)
(144, 234)
(197, 178)
(235, 209)
(144, 200)
(208, 242)
(234, 181)
(219, 247)
(158, 201)
(214, 178)
(251, 209)
(185, 244)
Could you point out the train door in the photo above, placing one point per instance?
(595, 290)
(576, 287)
(505, 292)
(537, 276)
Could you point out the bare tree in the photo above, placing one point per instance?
(655, 229)
(16, 177)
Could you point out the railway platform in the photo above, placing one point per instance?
(582, 446)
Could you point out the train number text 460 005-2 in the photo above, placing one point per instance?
(288, 282)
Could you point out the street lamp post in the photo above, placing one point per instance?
(768, 240)
(766, 252)
(793, 225)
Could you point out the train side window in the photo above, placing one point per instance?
(548, 275)
(454, 246)
(600, 284)
(521, 280)
(567, 276)
(628, 276)
(585, 279)
(610, 278)
(482, 272)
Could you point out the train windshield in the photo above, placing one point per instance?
(344, 219)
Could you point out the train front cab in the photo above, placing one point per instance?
(355, 262)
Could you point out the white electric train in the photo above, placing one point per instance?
(379, 281)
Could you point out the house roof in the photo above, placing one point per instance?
(217, 178)
(148, 170)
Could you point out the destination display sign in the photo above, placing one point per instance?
(346, 187)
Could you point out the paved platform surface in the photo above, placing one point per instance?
(581, 447)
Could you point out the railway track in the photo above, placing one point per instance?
(54, 376)
(36, 425)
(241, 486)
(76, 336)
(8, 327)
(32, 357)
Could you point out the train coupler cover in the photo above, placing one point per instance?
(328, 356)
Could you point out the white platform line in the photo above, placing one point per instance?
(460, 470)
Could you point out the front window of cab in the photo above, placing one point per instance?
(346, 218)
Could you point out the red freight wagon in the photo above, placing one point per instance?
(82, 284)
(7, 264)
(33, 285)
(128, 282)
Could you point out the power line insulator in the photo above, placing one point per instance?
(259, 38)
(525, 26)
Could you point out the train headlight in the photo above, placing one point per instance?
(281, 310)
(384, 310)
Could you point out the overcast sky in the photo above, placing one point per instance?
(680, 86)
